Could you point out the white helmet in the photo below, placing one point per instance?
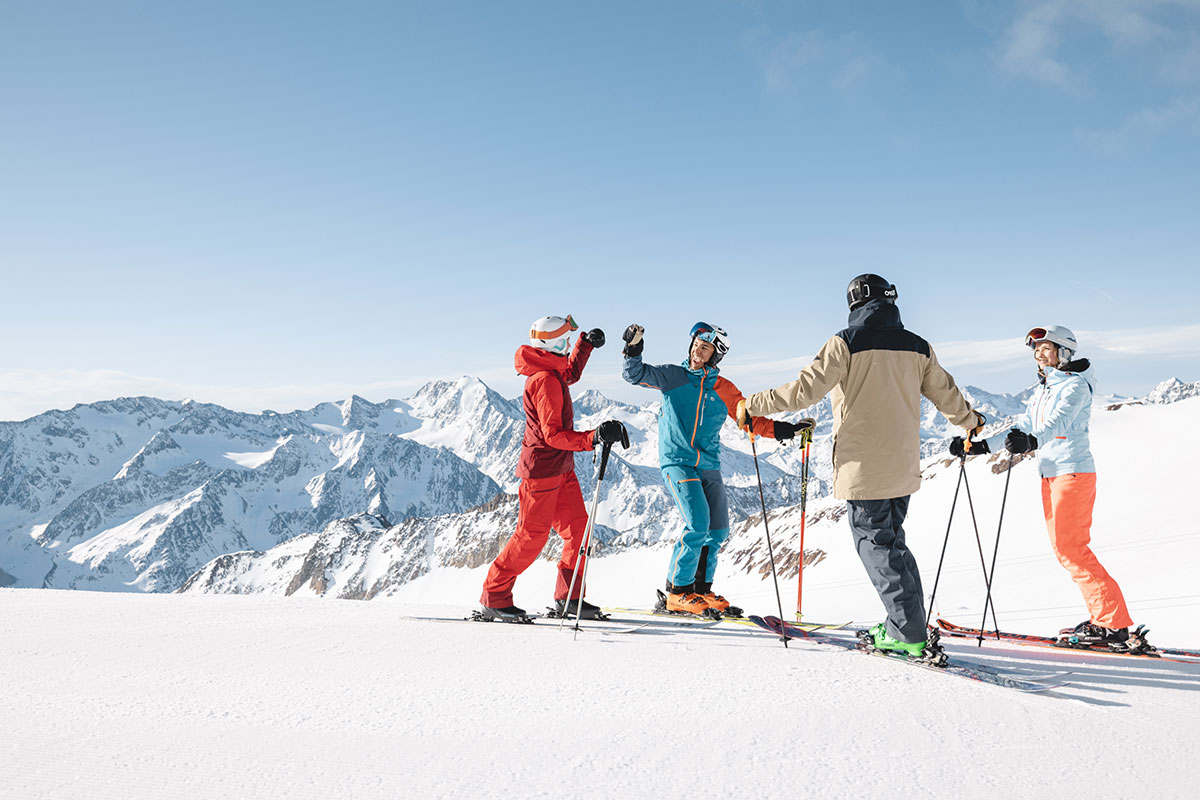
(1057, 335)
(715, 336)
(553, 334)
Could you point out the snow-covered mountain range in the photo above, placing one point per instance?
(353, 499)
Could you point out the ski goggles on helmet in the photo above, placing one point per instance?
(1035, 337)
(713, 335)
(568, 325)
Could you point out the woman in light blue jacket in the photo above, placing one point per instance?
(1055, 424)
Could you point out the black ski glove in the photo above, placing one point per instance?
(788, 430)
(633, 340)
(978, 446)
(594, 337)
(611, 431)
(1018, 441)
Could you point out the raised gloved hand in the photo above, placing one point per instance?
(1018, 441)
(788, 430)
(594, 337)
(611, 431)
(633, 340)
(958, 447)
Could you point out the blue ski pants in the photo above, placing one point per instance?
(700, 496)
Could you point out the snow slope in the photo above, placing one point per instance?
(150, 696)
(182, 696)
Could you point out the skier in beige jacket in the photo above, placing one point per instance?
(877, 372)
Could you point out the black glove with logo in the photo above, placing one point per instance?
(610, 432)
(788, 430)
(958, 447)
(1018, 441)
(633, 340)
(594, 337)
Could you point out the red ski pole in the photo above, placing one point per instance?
(803, 516)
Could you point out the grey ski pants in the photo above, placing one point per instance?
(878, 527)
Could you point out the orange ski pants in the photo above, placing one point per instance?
(555, 502)
(1067, 501)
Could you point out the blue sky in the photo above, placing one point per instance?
(273, 204)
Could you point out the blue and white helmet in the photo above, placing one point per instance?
(715, 336)
(1059, 336)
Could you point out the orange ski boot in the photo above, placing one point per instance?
(690, 603)
(717, 601)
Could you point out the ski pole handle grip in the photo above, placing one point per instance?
(604, 460)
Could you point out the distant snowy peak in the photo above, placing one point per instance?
(592, 402)
(474, 422)
(996, 406)
(1172, 391)
(355, 413)
(467, 395)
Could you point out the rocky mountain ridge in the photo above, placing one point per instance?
(142, 494)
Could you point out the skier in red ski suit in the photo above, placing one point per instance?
(549, 494)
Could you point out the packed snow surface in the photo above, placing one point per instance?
(126, 695)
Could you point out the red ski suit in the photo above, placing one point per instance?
(549, 495)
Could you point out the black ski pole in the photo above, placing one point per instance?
(946, 541)
(982, 561)
(995, 552)
(770, 550)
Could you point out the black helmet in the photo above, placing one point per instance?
(869, 287)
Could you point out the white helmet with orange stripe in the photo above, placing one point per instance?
(553, 334)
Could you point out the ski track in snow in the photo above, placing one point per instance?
(130, 696)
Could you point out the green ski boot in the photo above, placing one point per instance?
(881, 641)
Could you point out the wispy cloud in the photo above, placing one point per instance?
(1000, 355)
(1178, 342)
(994, 355)
(26, 393)
(845, 63)
(1029, 48)
(1144, 127)
(1033, 42)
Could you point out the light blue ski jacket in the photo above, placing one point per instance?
(1058, 415)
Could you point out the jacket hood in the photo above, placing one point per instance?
(876, 314)
(531, 360)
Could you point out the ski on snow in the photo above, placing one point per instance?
(975, 672)
(950, 629)
(696, 620)
(595, 626)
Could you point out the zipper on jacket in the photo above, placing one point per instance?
(699, 415)
(1040, 407)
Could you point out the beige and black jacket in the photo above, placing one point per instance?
(877, 372)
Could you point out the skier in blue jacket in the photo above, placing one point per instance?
(696, 401)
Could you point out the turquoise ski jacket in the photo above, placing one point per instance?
(694, 406)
